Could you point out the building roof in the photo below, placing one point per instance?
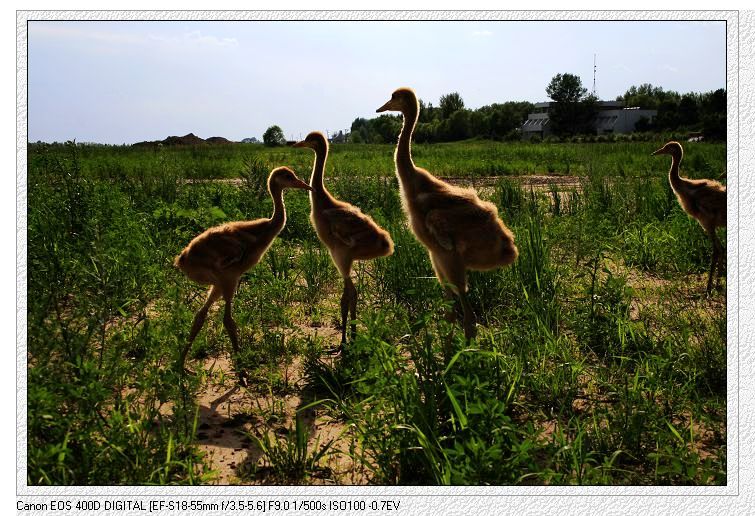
(603, 104)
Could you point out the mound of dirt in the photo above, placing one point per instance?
(189, 139)
(218, 140)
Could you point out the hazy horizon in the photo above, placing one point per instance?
(124, 82)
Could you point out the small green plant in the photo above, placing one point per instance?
(510, 197)
(254, 176)
(317, 271)
(291, 459)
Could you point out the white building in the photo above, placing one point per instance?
(612, 118)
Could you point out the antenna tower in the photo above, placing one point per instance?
(594, 73)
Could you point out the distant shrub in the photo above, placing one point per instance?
(274, 137)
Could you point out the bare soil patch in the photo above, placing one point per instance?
(230, 415)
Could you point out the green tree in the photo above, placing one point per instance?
(386, 128)
(427, 113)
(459, 125)
(668, 114)
(648, 96)
(426, 132)
(588, 110)
(644, 96)
(274, 137)
(566, 88)
(479, 123)
(502, 119)
(449, 104)
(714, 101)
(713, 114)
(573, 109)
(688, 112)
(360, 131)
(667, 103)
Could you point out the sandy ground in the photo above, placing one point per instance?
(230, 415)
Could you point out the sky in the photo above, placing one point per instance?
(123, 82)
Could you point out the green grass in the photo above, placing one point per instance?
(599, 359)
(290, 458)
(472, 158)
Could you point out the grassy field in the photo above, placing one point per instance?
(599, 359)
(473, 158)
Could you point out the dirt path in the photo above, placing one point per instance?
(224, 422)
(229, 417)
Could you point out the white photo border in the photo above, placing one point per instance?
(739, 28)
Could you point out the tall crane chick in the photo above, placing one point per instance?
(459, 230)
(348, 233)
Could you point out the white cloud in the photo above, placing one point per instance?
(197, 37)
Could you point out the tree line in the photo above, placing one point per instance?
(575, 109)
(573, 113)
(704, 112)
(449, 121)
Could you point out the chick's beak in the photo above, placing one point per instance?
(659, 151)
(384, 107)
(304, 186)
